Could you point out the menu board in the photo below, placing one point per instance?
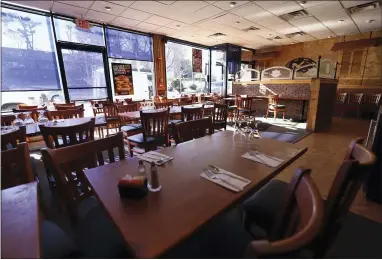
(123, 79)
(196, 60)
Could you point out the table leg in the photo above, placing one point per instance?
(302, 111)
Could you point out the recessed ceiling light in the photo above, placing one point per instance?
(303, 2)
(108, 8)
(177, 25)
(370, 21)
(237, 22)
(232, 4)
(293, 43)
(341, 21)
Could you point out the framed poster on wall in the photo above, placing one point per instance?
(197, 60)
(123, 79)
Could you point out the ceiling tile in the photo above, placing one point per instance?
(303, 38)
(188, 6)
(202, 14)
(151, 7)
(166, 31)
(167, 2)
(347, 26)
(158, 20)
(100, 6)
(125, 22)
(147, 26)
(269, 4)
(309, 24)
(83, 4)
(124, 3)
(270, 22)
(205, 32)
(362, 20)
(285, 8)
(322, 34)
(44, 5)
(68, 9)
(348, 4)
(309, 4)
(135, 14)
(252, 12)
(327, 11)
(285, 28)
(98, 16)
(176, 25)
(225, 5)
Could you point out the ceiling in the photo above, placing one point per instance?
(195, 21)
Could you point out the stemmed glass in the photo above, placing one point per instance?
(28, 120)
(18, 121)
(245, 131)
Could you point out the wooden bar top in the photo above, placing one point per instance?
(161, 220)
(20, 231)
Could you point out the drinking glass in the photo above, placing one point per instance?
(42, 119)
(18, 121)
(28, 120)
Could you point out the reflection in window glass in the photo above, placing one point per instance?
(66, 30)
(143, 79)
(218, 72)
(130, 46)
(27, 52)
(180, 77)
(84, 70)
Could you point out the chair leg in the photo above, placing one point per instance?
(274, 114)
(283, 115)
(266, 116)
(130, 147)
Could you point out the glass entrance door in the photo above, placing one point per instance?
(218, 71)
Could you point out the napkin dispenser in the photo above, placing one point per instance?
(133, 187)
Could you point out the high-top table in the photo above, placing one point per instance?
(20, 230)
(161, 220)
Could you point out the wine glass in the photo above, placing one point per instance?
(28, 120)
(42, 119)
(18, 121)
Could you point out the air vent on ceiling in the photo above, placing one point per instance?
(252, 28)
(291, 35)
(295, 15)
(363, 7)
(218, 35)
(274, 38)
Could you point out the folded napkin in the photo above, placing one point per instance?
(153, 156)
(225, 180)
(263, 158)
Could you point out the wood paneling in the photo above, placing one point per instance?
(360, 68)
(160, 64)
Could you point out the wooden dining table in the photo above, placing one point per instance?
(175, 110)
(20, 230)
(33, 129)
(160, 221)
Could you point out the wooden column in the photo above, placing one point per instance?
(159, 65)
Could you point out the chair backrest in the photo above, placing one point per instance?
(244, 103)
(62, 136)
(20, 107)
(16, 168)
(7, 120)
(299, 222)
(74, 159)
(155, 124)
(67, 107)
(128, 108)
(273, 100)
(13, 138)
(129, 100)
(372, 99)
(192, 113)
(355, 98)
(186, 131)
(66, 114)
(217, 99)
(34, 112)
(349, 178)
(340, 98)
(110, 111)
(219, 113)
(72, 104)
(184, 102)
(159, 105)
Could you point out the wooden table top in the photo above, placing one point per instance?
(280, 97)
(20, 231)
(161, 220)
(173, 111)
(33, 129)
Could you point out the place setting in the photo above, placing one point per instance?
(155, 157)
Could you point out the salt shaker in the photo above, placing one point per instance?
(141, 169)
(154, 185)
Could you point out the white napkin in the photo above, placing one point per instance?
(239, 183)
(264, 159)
(153, 156)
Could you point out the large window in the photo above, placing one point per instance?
(179, 71)
(135, 49)
(29, 63)
(218, 71)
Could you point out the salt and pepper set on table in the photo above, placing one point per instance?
(138, 186)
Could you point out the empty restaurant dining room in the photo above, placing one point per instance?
(191, 129)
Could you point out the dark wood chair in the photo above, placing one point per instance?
(129, 127)
(184, 102)
(354, 103)
(243, 106)
(274, 106)
(65, 114)
(299, 222)
(154, 131)
(340, 102)
(26, 107)
(72, 104)
(34, 112)
(67, 107)
(7, 120)
(370, 104)
(111, 117)
(164, 104)
(16, 168)
(12, 139)
(219, 116)
(186, 131)
(192, 113)
(129, 100)
(62, 136)
(69, 162)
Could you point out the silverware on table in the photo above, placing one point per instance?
(216, 170)
(213, 176)
(255, 154)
